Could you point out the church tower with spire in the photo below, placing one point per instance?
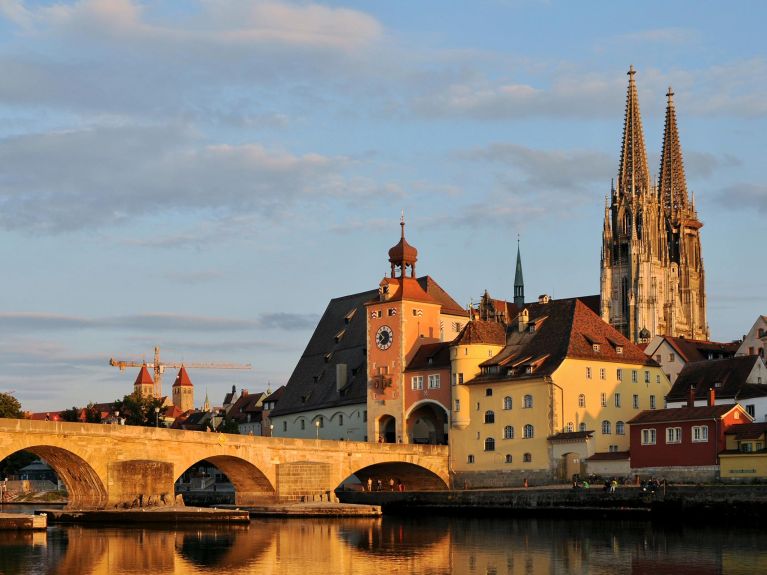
(651, 267)
(519, 283)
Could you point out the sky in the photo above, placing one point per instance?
(206, 175)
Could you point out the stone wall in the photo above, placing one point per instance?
(499, 479)
(692, 474)
(305, 481)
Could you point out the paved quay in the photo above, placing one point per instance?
(170, 515)
(319, 509)
(22, 522)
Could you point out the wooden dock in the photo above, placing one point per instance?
(23, 522)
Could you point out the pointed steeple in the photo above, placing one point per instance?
(633, 176)
(182, 379)
(672, 184)
(519, 283)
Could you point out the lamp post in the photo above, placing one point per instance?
(271, 430)
(317, 425)
(157, 416)
(117, 417)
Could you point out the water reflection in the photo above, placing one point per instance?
(389, 545)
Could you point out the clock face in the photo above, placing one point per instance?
(384, 337)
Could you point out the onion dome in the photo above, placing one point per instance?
(403, 255)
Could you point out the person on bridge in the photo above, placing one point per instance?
(370, 484)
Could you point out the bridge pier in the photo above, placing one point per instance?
(140, 483)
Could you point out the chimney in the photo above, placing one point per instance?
(711, 396)
(544, 298)
(523, 319)
(691, 397)
(244, 393)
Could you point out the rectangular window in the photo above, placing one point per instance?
(673, 435)
(602, 373)
(634, 376)
(620, 374)
(470, 459)
(417, 382)
(340, 420)
(671, 356)
(392, 311)
(751, 410)
(604, 400)
(588, 373)
(303, 424)
(457, 405)
(365, 415)
(617, 400)
(635, 401)
(460, 378)
(652, 402)
(700, 433)
(648, 437)
(658, 358)
(434, 381)
(455, 379)
(284, 426)
(647, 376)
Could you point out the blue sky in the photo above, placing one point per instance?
(206, 175)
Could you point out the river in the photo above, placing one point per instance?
(424, 545)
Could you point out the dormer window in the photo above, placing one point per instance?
(619, 349)
(531, 328)
(595, 347)
(528, 369)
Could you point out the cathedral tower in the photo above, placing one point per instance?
(651, 270)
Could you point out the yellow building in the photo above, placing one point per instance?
(745, 454)
(559, 390)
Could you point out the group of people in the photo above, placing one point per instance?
(378, 485)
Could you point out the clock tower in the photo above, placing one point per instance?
(402, 318)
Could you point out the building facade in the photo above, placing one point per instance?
(755, 341)
(652, 277)
(673, 353)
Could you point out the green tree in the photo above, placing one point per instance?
(71, 414)
(10, 406)
(92, 413)
(228, 425)
(137, 409)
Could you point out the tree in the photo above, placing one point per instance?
(92, 414)
(72, 414)
(138, 409)
(10, 406)
(228, 425)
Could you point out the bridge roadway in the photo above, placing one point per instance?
(108, 466)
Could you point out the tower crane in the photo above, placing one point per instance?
(159, 367)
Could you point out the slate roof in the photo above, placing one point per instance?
(340, 338)
(481, 332)
(565, 328)
(692, 350)
(672, 414)
(727, 376)
(747, 430)
(247, 404)
(275, 395)
(431, 356)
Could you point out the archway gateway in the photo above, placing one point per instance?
(427, 424)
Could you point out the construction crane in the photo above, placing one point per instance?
(159, 367)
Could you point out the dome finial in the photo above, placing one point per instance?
(403, 255)
(402, 223)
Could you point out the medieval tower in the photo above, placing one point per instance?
(652, 280)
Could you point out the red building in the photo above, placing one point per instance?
(682, 437)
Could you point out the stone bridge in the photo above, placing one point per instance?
(107, 466)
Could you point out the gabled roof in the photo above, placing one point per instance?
(726, 376)
(691, 350)
(673, 414)
(245, 405)
(276, 395)
(449, 305)
(610, 456)
(431, 356)
(182, 379)
(481, 332)
(565, 328)
(144, 377)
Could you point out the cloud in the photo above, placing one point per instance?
(110, 174)
(743, 196)
(27, 322)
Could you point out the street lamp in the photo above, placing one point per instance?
(317, 425)
(157, 416)
(117, 417)
(271, 430)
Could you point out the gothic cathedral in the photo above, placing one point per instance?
(652, 280)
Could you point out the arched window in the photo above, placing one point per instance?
(529, 431)
(605, 427)
(528, 401)
(508, 458)
(581, 400)
(508, 432)
(570, 427)
(489, 444)
(582, 426)
(489, 417)
(527, 458)
(620, 428)
(507, 402)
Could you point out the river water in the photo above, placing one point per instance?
(424, 545)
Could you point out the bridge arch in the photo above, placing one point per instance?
(427, 422)
(85, 488)
(250, 484)
(410, 475)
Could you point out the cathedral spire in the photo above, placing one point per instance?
(633, 176)
(519, 283)
(672, 184)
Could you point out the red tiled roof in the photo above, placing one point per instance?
(182, 379)
(431, 356)
(686, 413)
(698, 350)
(144, 377)
(482, 332)
(570, 435)
(747, 430)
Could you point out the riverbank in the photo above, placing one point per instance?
(22, 522)
(167, 515)
(699, 503)
(320, 509)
